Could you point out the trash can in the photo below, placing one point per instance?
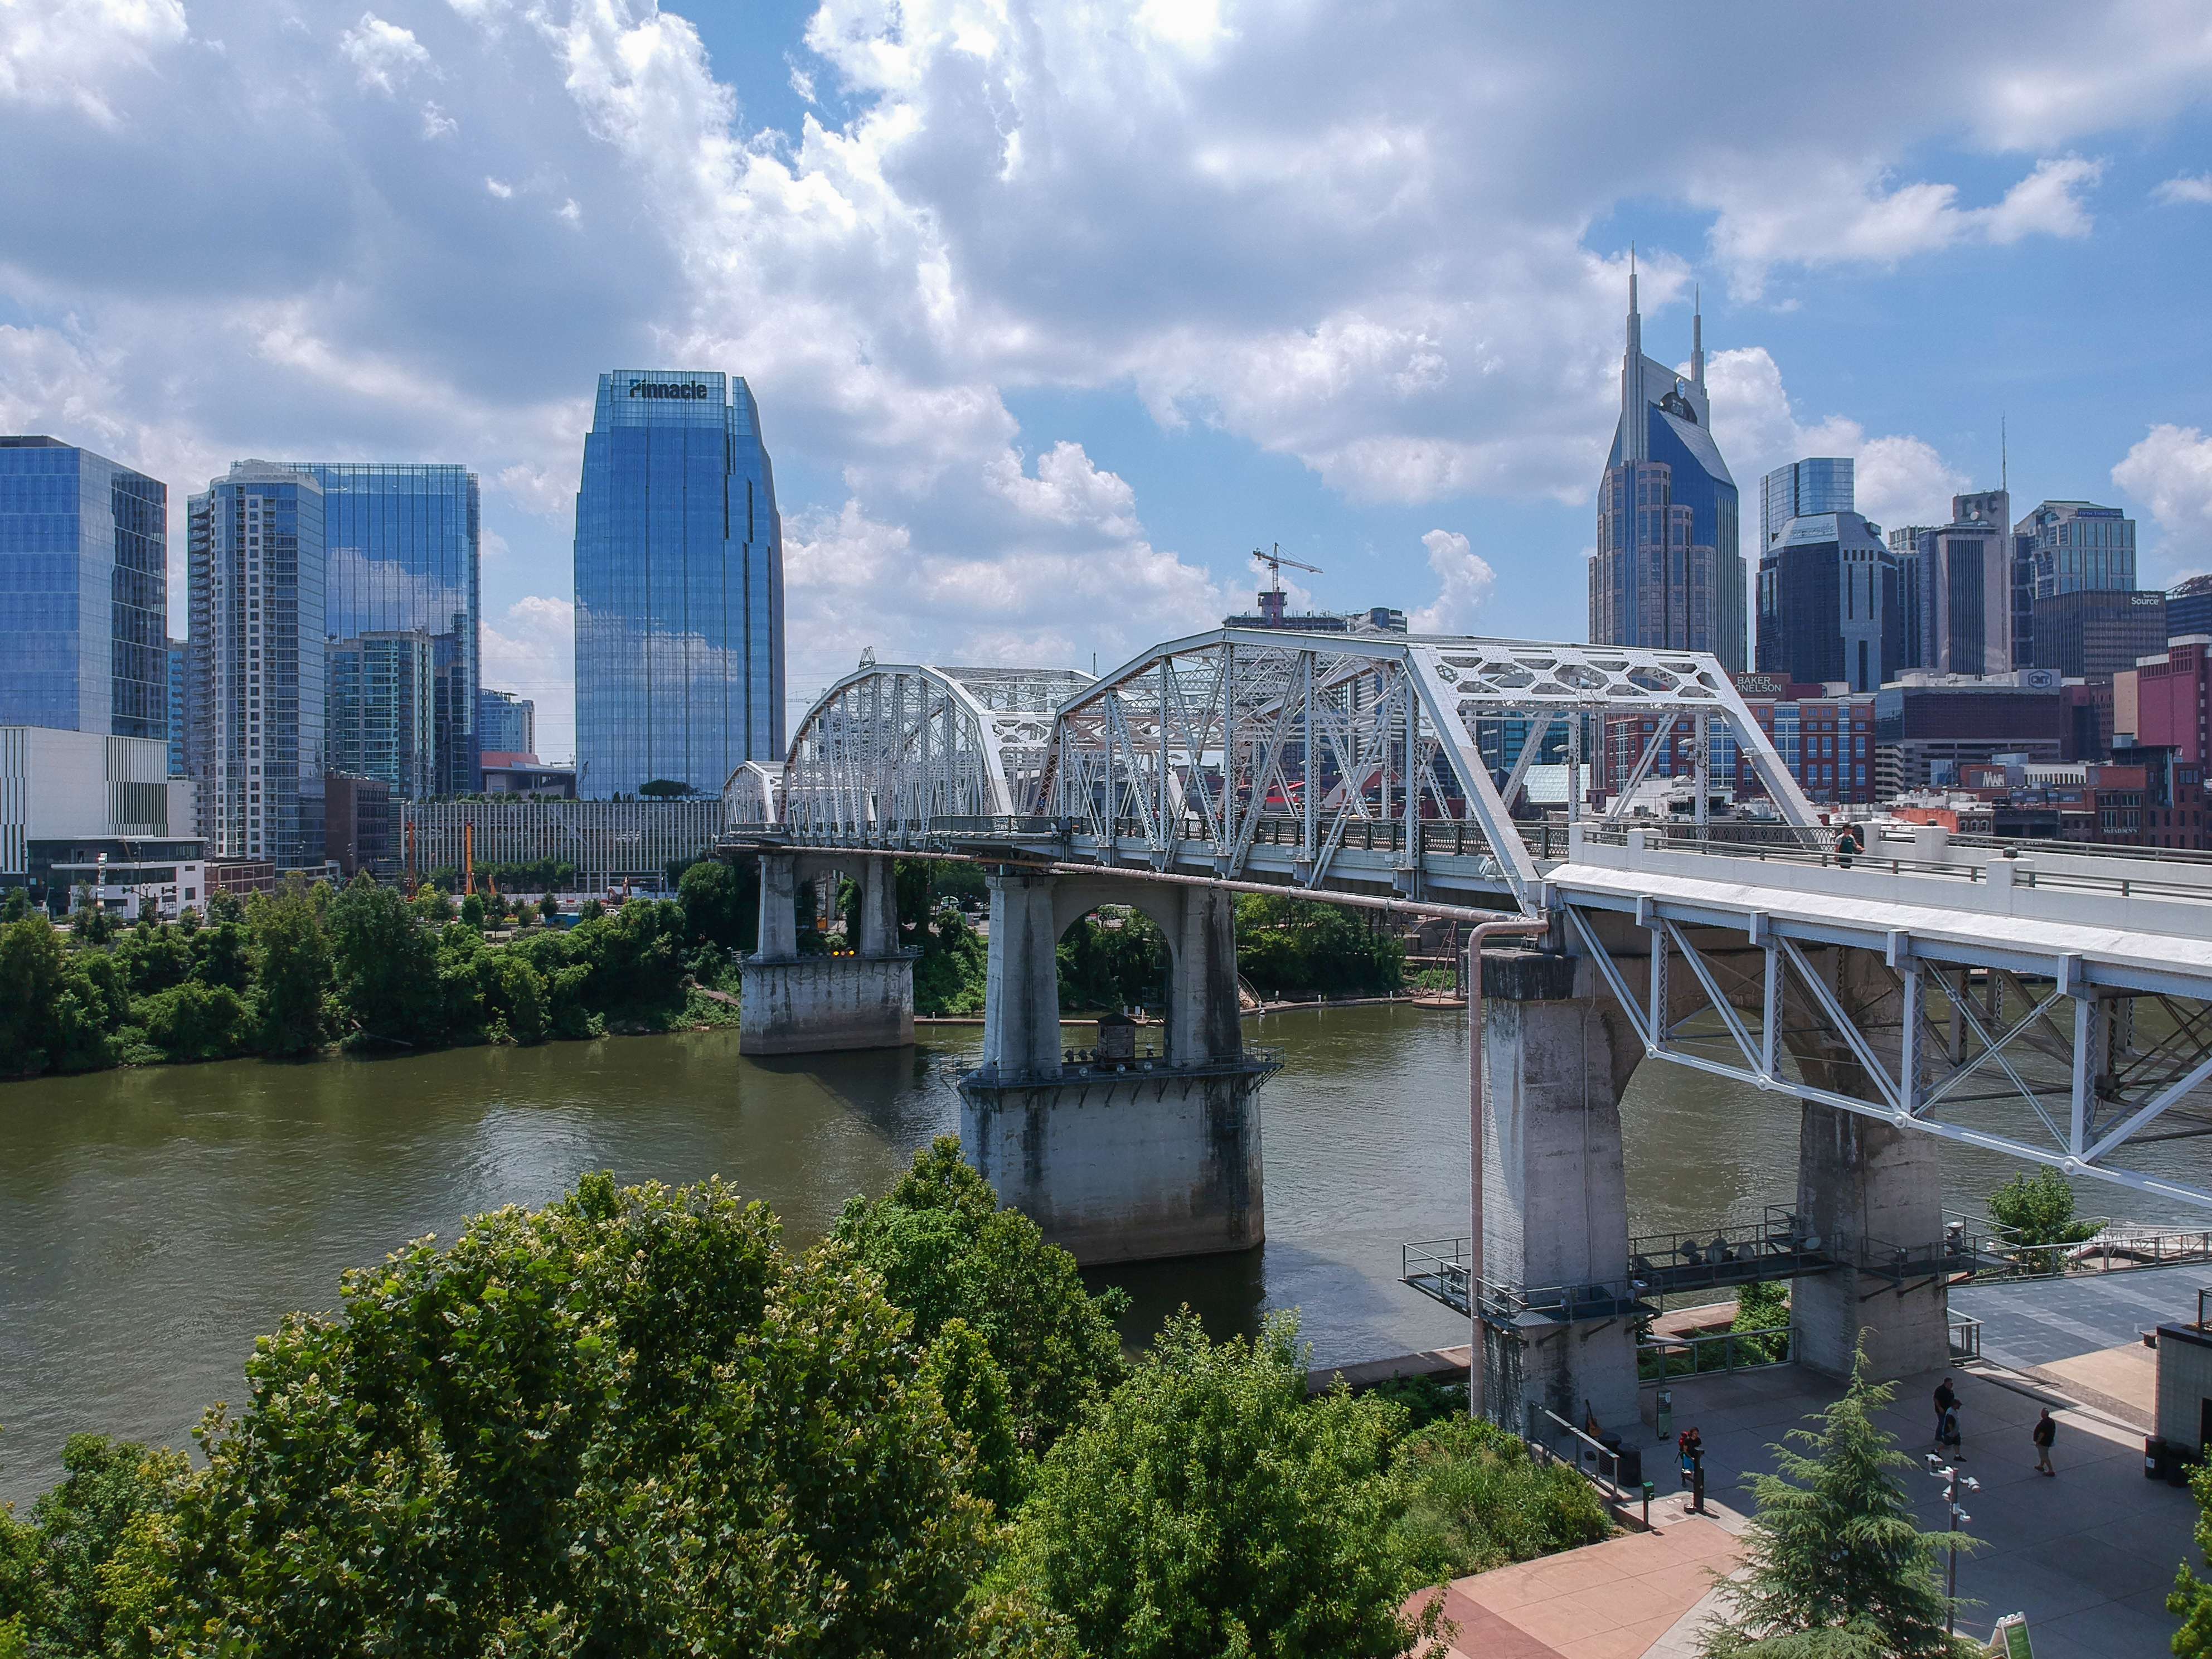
(1632, 1467)
(2154, 1459)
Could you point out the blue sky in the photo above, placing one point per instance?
(1054, 312)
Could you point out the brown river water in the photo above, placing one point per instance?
(153, 1222)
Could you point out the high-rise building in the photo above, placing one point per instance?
(180, 656)
(1905, 542)
(506, 726)
(2078, 547)
(1667, 571)
(403, 541)
(1831, 607)
(84, 592)
(2189, 607)
(679, 586)
(1967, 588)
(2095, 633)
(255, 702)
(1802, 489)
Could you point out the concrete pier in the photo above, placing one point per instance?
(1115, 1160)
(790, 1004)
(1556, 1055)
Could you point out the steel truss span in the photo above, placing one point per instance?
(2056, 1007)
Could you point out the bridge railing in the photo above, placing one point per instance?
(1663, 1358)
(2026, 873)
(2103, 1245)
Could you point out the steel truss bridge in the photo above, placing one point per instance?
(2052, 1004)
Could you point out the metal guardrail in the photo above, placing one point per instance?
(1592, 1459)
(1662, 1358)
(2110, 1247)
(1966, 1334)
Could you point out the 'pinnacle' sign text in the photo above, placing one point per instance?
(694, 389)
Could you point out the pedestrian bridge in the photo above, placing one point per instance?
(2053, 1004)
(2044, 1002)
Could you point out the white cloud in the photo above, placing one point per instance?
(498, 188)
(2169, 472)
(436, 124)
(1850, 213)
(72, 52)
(2192, 187)
(1901, 479)
(529, 649)
(1464, 579)
(382, 54)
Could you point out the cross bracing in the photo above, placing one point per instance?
(1355, 765)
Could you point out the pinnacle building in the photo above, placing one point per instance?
(679, 586)
(1667, 571)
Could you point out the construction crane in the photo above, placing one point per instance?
(1273, 600)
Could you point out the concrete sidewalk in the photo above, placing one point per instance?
(2088, 1557)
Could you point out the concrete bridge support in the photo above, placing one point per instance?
(1556, 1055)
(807, 1005)
(1118, 1161)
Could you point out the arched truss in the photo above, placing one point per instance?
(753, 798)
(1207, 738)
(893, 748)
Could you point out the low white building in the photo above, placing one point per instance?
(79, 810)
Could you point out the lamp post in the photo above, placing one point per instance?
(1952, 1480)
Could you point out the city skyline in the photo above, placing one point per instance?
(1015, 422)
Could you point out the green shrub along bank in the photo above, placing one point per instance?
(295, 972)
(637, 1421)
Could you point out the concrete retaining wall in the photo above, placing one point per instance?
(817, 1004)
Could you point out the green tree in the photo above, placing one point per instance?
(66, 1571)
(721, 904)
(293, 974)
(1762, 1307)
(627, 1423)
(386, 961)
(1210, 1508)
(472, 911)
(947, 1251)
(1300, 947)
(59, 1010)
(222, 952)
(1115, 959)
(15, 905)
(154, 956)
(664, 789)
(194, 1021)
(2038, 1209)
(1834, 1546)
(2190, 1599)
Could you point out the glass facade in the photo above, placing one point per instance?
(257, 664)
(1821, 483)
(1669, 571)
(679, 587)
(1831, 604)
(84, 592)
(178, 657)
(402, 543)
(2078, 547)
(506, 724)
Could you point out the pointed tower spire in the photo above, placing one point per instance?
(1635, 438)
(1697, 339)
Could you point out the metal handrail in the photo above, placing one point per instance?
(1731, 1345)
(1965, 1333)
(1591, 1457)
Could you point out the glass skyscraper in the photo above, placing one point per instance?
(258, 664)
(506, 723)
(84, 592)
(1821, 483)
(400, 613)
(679, 586)
(1667, 571)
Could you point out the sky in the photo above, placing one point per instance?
(1054, 312)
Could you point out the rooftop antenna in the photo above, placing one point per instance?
(1272, 599)
(2004, 458)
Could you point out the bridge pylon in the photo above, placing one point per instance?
(1118, 1157)
(795, 1004)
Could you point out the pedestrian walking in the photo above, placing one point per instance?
(1946, 1399)
(2045, 1431)
(1947, 1436)
(1848, 844)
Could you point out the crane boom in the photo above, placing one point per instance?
(1275, 561)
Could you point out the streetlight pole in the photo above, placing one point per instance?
(1952, 1481)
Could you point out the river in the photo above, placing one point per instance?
(153, 1222)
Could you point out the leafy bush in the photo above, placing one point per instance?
(1301, 946)
(194, 1021)
(1474, 1499)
